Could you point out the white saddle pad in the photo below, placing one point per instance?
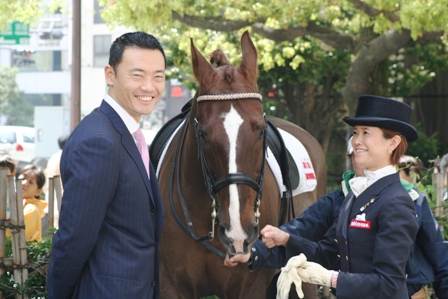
(307, 175)
(298, 152)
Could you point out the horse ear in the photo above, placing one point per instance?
(249, 61)
(202, 69)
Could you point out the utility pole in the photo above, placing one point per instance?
(75, 97)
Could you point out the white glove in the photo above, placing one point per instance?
(289, 275)
(314, 273)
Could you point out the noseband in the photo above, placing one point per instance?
(214, 185)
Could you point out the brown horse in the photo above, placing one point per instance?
(214, 175)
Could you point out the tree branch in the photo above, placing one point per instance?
(373, 12)
(331, 37)
(367, 58)
(212, 23)
(431, 36)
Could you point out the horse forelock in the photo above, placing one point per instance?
(218, 59)
(223, 77)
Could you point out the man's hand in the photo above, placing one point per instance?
(314, 273)
(273, 236)
(234, 260)
(289, 275)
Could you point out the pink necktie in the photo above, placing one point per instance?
(142, 148)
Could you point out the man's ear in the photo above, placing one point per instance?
(109, 74)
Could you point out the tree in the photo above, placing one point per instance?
(12, 106)
(371, 30)
(8, 85)
(321, 55)
(24, 11)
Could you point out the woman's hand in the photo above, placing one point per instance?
(234, 260)
(273, 236)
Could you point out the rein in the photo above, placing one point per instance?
(188, 229)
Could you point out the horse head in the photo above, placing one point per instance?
(231, 136)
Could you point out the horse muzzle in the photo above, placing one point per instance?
(238, 244)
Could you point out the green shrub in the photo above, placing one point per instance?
(425, 148)
(38, 258)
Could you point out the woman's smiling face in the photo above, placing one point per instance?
(370, 147)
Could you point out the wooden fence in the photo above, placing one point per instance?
(439, 211)
(11, 198)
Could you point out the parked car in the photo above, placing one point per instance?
(18, 142)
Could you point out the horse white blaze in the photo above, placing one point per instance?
(232, 123)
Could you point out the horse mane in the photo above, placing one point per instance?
(218, 59)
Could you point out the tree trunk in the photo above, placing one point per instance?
(370, 54)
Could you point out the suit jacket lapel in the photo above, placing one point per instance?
(370, 196)
(345, 213)
(128, 143)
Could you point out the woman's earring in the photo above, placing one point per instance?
(389, 152)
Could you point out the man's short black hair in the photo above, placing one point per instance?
(137, 39)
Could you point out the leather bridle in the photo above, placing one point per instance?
(214, 185)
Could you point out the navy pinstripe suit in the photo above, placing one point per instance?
(111, 217)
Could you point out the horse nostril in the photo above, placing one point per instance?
(253, 234)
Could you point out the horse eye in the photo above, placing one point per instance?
(262, 132)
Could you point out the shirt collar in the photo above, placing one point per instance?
(129, 122)
(374, 176)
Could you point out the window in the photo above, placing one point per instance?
(39, 61)
(28, 138)
(101, 45)
(8, 137)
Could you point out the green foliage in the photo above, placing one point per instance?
(414, 66)
(8, 85)
(18, 110)
(425, 148)
(38, 257)
(425, 185)
(417, 16)
(25, 11)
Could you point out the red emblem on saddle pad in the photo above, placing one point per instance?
(362, 224)
(310, 176)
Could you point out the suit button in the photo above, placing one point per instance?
(346, 257)
(336, 240)
(339, 256)
(153, 283)
(153, 211)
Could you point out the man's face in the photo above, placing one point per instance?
(139, 81)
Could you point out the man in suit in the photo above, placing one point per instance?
(107, 244)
